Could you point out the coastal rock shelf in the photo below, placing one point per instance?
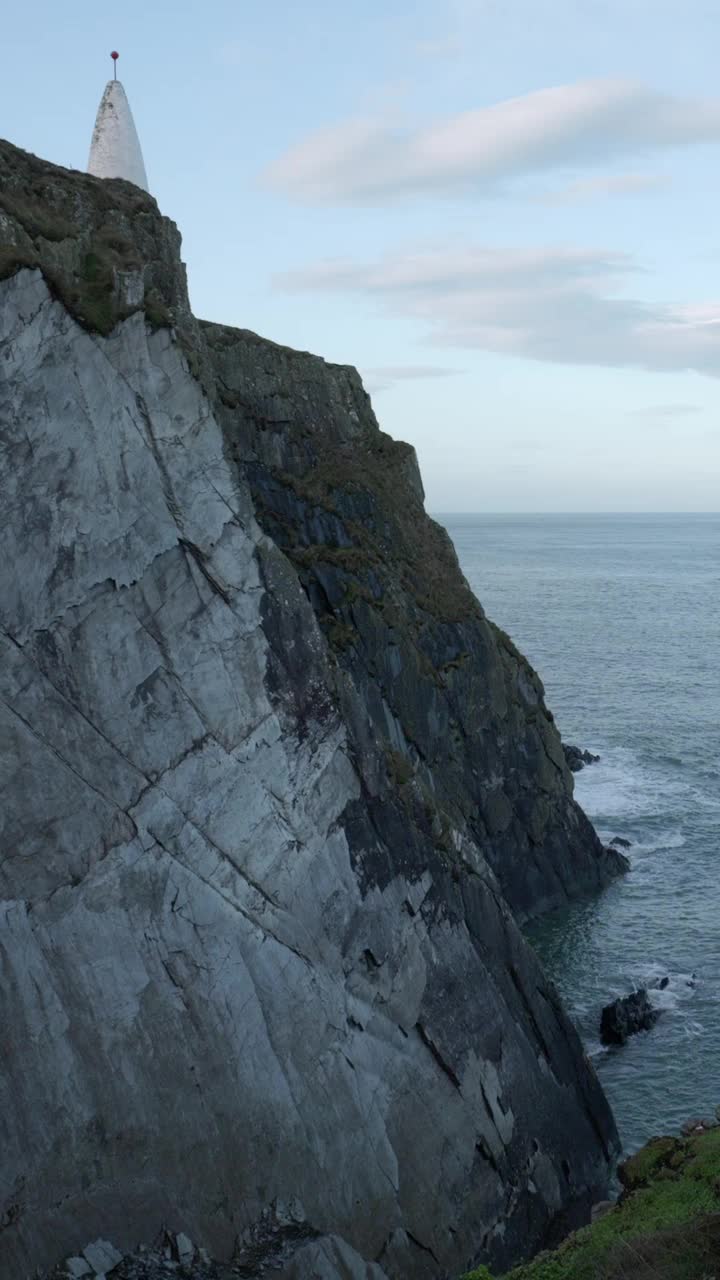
(273, 787)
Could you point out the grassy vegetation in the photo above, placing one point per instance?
(158, 317)
(666, 1225)
(38, 219)
(13, 258)
(85, 235)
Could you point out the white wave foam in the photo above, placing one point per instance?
(669, 839)
(693, 1030)
(668, 999)
(620, 793)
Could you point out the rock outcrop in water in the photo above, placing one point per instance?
(270, 781)
(626, 1016)
(576, 758)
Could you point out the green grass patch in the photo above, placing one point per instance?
(648, 1161)
(666, 1225)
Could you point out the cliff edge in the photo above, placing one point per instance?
(272, 783)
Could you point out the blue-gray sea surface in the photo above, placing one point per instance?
(620, 615)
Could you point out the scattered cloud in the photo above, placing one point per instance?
(374, 158)
(386, 376)
(554, 304)
(619, 184)
(665, 411)
(440, 47)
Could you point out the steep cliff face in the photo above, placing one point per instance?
(263, 780)
(446, 718)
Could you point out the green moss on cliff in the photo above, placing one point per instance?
(13, 258)
(87, 235)
(666, 1225)
(399, 767)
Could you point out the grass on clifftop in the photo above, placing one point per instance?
(666, 1225)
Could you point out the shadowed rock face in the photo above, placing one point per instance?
(447, 719)
(270, 779)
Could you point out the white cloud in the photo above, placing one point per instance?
(619, 184)
(440, 46)
(381, 379)
(553, 304)
(380, 157)
(665, 411)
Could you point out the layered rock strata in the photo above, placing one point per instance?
(270, 780)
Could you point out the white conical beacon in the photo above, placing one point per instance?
(115, 148)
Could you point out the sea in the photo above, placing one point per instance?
(620, 615)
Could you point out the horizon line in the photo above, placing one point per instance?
(437, 512)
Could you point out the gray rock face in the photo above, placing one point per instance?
(255, 982)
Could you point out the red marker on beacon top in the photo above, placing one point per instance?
(115, 55)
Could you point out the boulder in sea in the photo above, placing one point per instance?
(627, 1015)
(619, 842)
(576, 758)
(660, 984)
(619, 858)
(698, 1124)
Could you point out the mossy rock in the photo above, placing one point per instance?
(158, 317)
(13, 259)
(703, 1158)
(84, 234)
(666, 1226)
(647, 1162)
(37, 216)
(400, 769)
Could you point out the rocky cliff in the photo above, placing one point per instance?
(270, 781)
(664, 1226)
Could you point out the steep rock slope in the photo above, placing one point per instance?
(447, 719)
(247, 988)
(665, 1226)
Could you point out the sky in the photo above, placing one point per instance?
(503, 212)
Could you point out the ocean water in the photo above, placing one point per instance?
(621, 617)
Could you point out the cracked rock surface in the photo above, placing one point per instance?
(265, 803)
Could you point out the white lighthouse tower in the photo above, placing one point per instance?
(115, 148)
